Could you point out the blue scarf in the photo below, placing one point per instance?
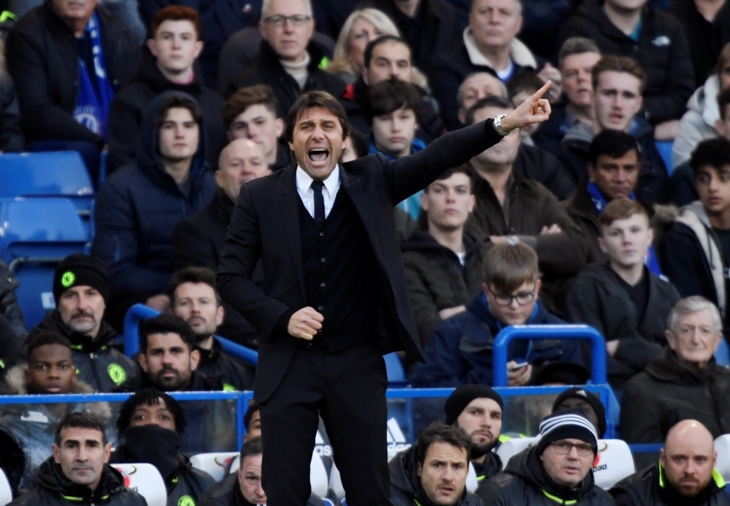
(92, 110)
(599, 203)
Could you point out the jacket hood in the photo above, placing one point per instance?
(79, 342)
(51, 478)
(704, 100)
(148, 155)
(696, 209)
(149, 74)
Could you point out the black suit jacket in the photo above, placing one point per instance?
(265, 224)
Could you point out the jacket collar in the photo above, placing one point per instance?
(518, 52)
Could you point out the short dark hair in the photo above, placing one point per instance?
(253, 407)
(370, 48)
(81, 420)
(359, 143)
(623, 64)
(150, 397)
(42, 339)
(165, 324)
(508, 266)
(388, 96)
(620, 209)
(612, 143)
(439, 432)
(723, 100)
(244, 98)
(576, 45)
(176, 13)
(178, 101)
(202, 275)
(462, 169)
(251, 447)
(316, 99)
(488, 101)
(525, 80)
(714, 153)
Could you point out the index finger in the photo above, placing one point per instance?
(539, 93)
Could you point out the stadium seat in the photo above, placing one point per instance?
(613, 462)
(722, 447)
(665, 150)
(146, 480)
(6, 494)
(317, 474)
(395, 371)
(215, 464)
(722, 354)
(514, 446)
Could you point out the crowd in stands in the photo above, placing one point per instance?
(174, 105)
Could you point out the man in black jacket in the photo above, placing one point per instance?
(149, 426)
(64, 96)
(168, 63)
(78, 472)
(81, 291)
(684, 475)
(194, 298)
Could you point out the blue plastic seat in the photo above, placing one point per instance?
(665, 149)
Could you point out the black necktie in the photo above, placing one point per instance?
(318, 201)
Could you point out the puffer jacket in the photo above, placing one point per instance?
(96, 361)
(525, 482)
(405, 484)
(698, 123)
(52, 488)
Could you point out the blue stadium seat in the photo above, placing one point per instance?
(665, 149)
(722, 354)
(396, 372)
(35, 234)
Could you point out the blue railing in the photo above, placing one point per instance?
(138, 313)
(585, 332)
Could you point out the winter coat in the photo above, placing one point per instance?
(698, 123)
(52, 488)
(33, 426)
(661, 50)
(9, 306)
(96, 361)
(42, 56)
(598, 299)
(668, 391)
(650, 486)
(137, 209)
(436, 279)
(491, 466)
(130, 104)
(692, 259)
(460, 350)
(540, 165)
(228, 493)
(234, 374)
(452, 66)
(405, 483)
(525, 482)
(11, 135)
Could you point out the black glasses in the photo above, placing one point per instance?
(296, 20)
(522, 298)
(564, 447)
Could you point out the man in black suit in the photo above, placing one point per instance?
(334, 295)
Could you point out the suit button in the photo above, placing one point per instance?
(320, 308)
(323, 285)
(323, 259)
(321, 234)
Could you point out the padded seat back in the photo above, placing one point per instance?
(145, 479)
(215, 464)
(613, 463)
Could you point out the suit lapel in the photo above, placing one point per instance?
(288, 210)
(353, 187)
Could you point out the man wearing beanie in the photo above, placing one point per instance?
(81, 291)
(556, 470)
(580, 399)
(477, 410)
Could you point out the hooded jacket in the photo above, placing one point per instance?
(650, 486)
(97, 363)
(33, 426)
(668, 391)
(129, 105)
(661, 50)
(698, 123)
(52, 488)
(525, 482)
(228, 493)
(436, 279)
(137, 209)
(405, 484)
(598, 299)
(460, 350)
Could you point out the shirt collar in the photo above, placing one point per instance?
(332, 183)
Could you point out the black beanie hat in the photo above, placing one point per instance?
(78, 269)
(463, 395)
(566, 425)
(590, 398)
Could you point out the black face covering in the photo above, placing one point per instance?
(153, 445)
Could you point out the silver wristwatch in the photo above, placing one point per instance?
(498, 125)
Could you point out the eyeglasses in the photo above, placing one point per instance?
(296, 20)
(522, 298)
(564, 447)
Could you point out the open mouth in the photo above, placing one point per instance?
(318, 155)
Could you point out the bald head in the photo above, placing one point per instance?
(240, 162)
(688, 457)
(475, 87)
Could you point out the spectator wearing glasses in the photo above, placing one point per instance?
(460, 349)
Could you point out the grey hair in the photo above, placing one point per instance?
(266, 3)
(460, 92)
(693, 304)
(577, 45)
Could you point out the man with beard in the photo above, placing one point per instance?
(81, 291)
(195, 299)
(477, 410)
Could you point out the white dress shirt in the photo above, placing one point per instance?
(329, 190)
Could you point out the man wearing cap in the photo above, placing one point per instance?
(81, 291)
(556, 470)
(477, 410)
(684, 475)
(580, 399)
